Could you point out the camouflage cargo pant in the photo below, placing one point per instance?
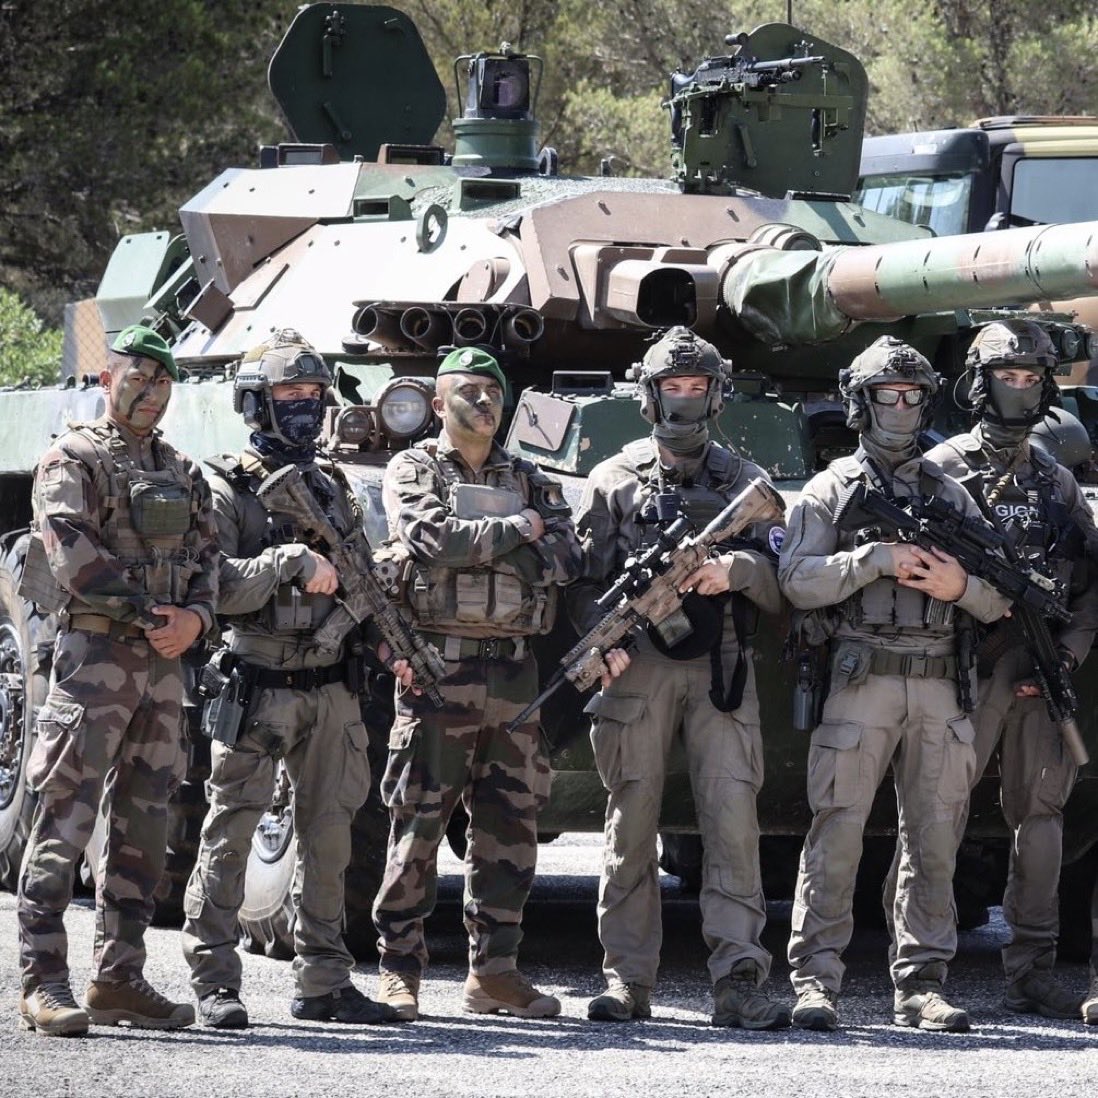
(634, 724)
(320, 736)
(915, 725)
(1036, 775)
(111, 723)
(437, 757)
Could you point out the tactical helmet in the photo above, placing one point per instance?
(1063, 438)
(1011, 344)
(681, 353)
(283, 358)
(887, 359)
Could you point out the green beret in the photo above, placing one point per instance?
(142, 342)
(471, 360)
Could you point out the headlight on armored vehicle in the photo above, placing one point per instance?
(353, 426)
(404, 407)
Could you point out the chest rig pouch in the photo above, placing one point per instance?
(289, 610)
(883, 603)
(484, 600)
(148, 514)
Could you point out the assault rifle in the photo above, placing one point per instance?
(986, 553)
(362, 593)
(648, 588)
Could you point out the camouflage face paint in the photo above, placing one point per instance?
(472, 405)
(138, 394)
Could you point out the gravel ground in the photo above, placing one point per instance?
(454, 1054)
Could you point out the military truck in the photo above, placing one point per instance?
(385, 250)
(998, 173)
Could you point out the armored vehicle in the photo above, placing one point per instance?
(385, 250)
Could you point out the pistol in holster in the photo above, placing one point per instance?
(225, 685)
(810, 689)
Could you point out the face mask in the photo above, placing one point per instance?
(684, 428)
(298, 421)
(1013, 407)
(894, 428)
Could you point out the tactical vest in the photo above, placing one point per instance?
(482, 600)
(705, 497)
(1034, 514)
(289, 610)
(882, 604)
(145, 516)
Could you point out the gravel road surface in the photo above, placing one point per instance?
(453, 1054)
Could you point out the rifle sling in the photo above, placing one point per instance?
(730, 702)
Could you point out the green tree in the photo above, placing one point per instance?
(110, 116)
(29, 351)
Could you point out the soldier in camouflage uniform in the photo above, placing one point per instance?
(130, 562)
(892, 610)
(303, 710)
(487, 537)
(1038, 503)
(678, 689)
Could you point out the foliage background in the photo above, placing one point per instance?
(111, 115)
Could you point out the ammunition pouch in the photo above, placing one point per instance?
(448, 600)
(291, 610)
(37, 583)
(850, 665)
(160, 504)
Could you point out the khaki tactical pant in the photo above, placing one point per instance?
(917, 726)
(320, 736)
(436, 757)
(111, 727)
(1036, 775)
(635, 721)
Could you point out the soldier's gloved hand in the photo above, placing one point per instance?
(935, 573)
(180, 630)
(325, 579)
(616, 661)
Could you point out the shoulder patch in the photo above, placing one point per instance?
(776, 539)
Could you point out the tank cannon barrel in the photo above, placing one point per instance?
(799, 297)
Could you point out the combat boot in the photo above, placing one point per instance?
(816, 1008)
(919, 1004)
(345, 1004)
(136, 1003)
(1037, 992)
(621, 1003)
(509, 992)
(1090, 1003)
(738, 1002)
(400, 990)
(222, 1009)
(51, 1011)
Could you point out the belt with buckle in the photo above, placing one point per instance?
(102, 626)
(913, 665)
